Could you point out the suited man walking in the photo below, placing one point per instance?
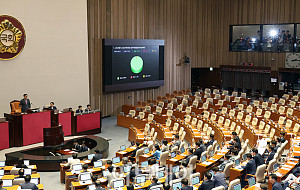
(25, 103)
(27, 184)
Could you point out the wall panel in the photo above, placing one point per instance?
(197, 28)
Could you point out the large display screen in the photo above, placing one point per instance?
(132, 64)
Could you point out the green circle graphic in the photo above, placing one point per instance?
(136, 64)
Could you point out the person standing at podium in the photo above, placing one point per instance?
(88, 108)
(52, 106)
(25, 103)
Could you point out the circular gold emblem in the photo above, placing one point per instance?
(12, 37)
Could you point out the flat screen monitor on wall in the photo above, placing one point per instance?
(132, 64)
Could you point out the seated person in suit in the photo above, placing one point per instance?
(226, 161)
(211, 140)
(27, 184)
(234, 154)
(250, 169)
(21, 173)
(73, 161)
(83, 147)
(271, 154)
(1, 184)
(97, 156)
(190, 152)
(154, 182)
(20, 164)
(76, 146)
(259, 160)
(88, 108)
(234, 134)
(200, 148)
(176, 141)
(52, 106)
(219, 178)
(282, 138)
(274, 144)
(273, 180)
(164, 146)
(79, 110)
(185, 185)
(207, 183)
(157, 152)
(85, 168)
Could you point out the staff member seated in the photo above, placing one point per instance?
(88, 108)
(207, 183)
(52, 106)
(157, 152)
(76, 146)
(83, 147)
(79, 110)
(27, 184)
(97, 156)
(21, 173)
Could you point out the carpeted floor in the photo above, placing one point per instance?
(116, 135)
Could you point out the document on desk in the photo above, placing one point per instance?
(102, 179)
(287, 166)
(278, 174)
(85, 182)
(31, 166)
(173, 160)
(292, 163)
(206, 163)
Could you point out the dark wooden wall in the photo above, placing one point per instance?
(197, 28)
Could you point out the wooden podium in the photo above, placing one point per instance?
(53, 136)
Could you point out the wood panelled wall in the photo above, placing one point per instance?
(197, 28)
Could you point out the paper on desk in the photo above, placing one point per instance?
(90, 170)
(206, 163)
(174, 160)
(86, 161)
(30, 167)
(72, 152)
(67, 150)
(287, 166)
(121, 152)
(133, 147)
(278, 174)
(292, 163)
(102, 179)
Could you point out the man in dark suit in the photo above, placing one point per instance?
(76, 146)
(88, 108)
(190, 152)
(20, 164)
(83, 147)
(250, 169)
(219, 178)
(234, 134)
(185, 185)
(27, 184)
(274, 144)
(282, 139)
(153, 182)
(200, 148)
(207, 183)
(1, 183)
(211, 140)
(273, 180)
(271, 154)
(97, 156)
(21, 174)
(259, 160)
(52, 106)
(25, 103)
(79, 110)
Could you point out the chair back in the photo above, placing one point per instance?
(270, 167)
(267, 114)
(221, 120)
(241, 107)
(163, 158)
(240, 115)
(18, 181)
(261, 125)
(281, 109)
(233, 183)
(188, 110)
(227, 123)
(15, 107)
(206, 114)
(249, 109)
(199, 125)
(193, 161)
(150, 117)
(227, 169)
(175, 127)
(141, 115)
(194, 121)
(248, 118)
(169, 113)
(138, 153)
(224, 110)
(187, 118)
(254, 121)
(231, 113)
(213, 117)
(296, 128)
(168, 122)
(258, 112)
(264, 105)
